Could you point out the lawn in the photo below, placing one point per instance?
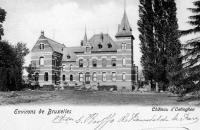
(88, 98)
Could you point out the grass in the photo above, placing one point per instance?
(88, 98)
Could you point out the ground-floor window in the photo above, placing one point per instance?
(81, 77)
(63, 77)
(123, 76)
(104, 76)
(94, 76)
(71, 77)
(113, 76)
(36, 76)
(46, 77)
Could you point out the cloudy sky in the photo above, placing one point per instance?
(65, 20)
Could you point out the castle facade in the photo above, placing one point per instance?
(98, 60)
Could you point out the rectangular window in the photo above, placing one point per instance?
(123, 61)
(123, 76)
(113, 76)
(71, 78)
(81, 77)
(123, 46)
(94, 76)
(104, 76)
(42, 46)
(46, 77)
(104, 62)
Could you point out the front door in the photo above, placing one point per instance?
(87, 77)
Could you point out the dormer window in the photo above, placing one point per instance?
(68, 56)
(100, 46)
(41, 46)
(109, 45)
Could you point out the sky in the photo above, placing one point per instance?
(65, 20)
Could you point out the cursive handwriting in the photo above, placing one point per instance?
(100, 121)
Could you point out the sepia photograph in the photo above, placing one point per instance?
(100, 64)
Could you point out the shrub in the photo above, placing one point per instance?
(107, 87)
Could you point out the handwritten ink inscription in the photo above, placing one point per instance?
(100, 121)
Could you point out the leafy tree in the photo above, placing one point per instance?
(147, 45)
(191, 70)
(159, 38)
(30, 70)
(2, 19)
(7, 67)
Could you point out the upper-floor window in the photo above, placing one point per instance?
(41, 61)
(113, 76)
(94, 62)
(123, 61)
(113, 62)
(81, 63)
(104, 76)
(46, 77)
(94, 76)
(100, 46)
(123, 46)
(123, 76)
(70, 67)
(68, 56)
(63, 67)
(80, 77)
(104, 62)
(109, 45)
(87, 49)
(41, 46)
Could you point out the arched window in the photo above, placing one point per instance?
(94, 63)
(46, 76)
(94, 76)
(113, 76)
(123, 61)
(113, 62)
(81, 77)
(71, 77)
(123, 76)
(81, 63)
(63, 77)
(41, 62)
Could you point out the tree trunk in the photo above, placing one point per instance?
(157, 87)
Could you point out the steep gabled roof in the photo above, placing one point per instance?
(124, 29)
(68, 54)
(57, 47)
(104, 40)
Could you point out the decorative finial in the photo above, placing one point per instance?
(42, 32)
(124, 5)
